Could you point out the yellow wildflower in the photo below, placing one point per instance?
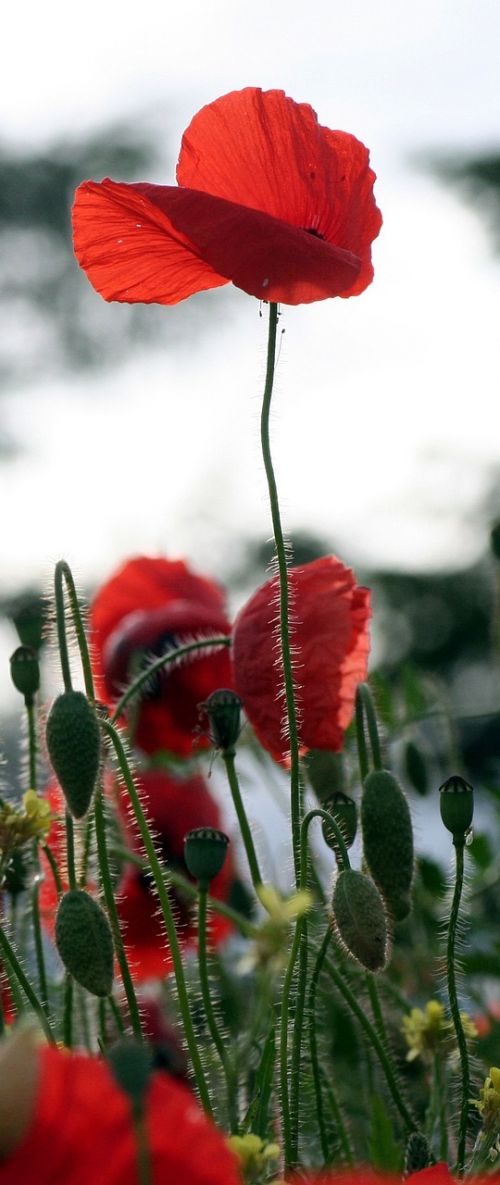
(18, 826)
(427, 1031)
(253, 1153)
(489, 1100)
(271, 937)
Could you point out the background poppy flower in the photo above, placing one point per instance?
(173, 806)
(146, 608)
(74, 1097)
(266, 198)
(330, 644)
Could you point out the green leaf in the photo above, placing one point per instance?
(385, 1154)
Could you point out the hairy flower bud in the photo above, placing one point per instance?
(74, 745)
(388, 840)
(84, 941)
(359, 919)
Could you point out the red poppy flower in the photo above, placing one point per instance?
(78, 1127)
(329, 635)
(146, 608)
(173, 806)
(436, 1174)
(266, 198)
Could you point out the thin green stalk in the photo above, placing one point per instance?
(117, 1016)
(209, 1009)
(16, 969)
(454, 1008)
(263, 1084)
(164, 661)
(87, 848)
(376, 1043)
(70, 850)
(364, 767)
(63, 575)
(342, 1133)
(364, 697)
(255, 873)
(32, 745)
(54, 868)
(107, 886)
(166, 909)
(378, 1015)
(284, 598)
(142, 1145)
(39, 951)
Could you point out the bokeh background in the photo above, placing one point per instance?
(130, 429)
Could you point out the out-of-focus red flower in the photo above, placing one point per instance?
(6, 1004)
(330, 642)
(436, 1174)
(266, 198)
(173, 805)
(148, 607)
(81, 1130)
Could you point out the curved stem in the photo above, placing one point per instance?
(284, 598)
(364, 699)
(100, 827)
(209, 1009)
(63, 575)
(255, 873)
(454, 1008)
(54, 868)
(164, 661)
(166, 909)
(342, 1133)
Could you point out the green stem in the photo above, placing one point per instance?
(209, 1009)
(454, 1008)
(374, 1039)
(228, 758)
(63, 575)
(263, 1085)
(100, 827)
(166, 909)
(364, 699)
(164, 661)
(54, 868)
(364, 767)
(117, 1016)
(70, 850)
(378, 1015)
(37, 935)
(342, 1133)
(32, 745)
(284, 598)
(141, 1138)
(87, 847)
(16, 969)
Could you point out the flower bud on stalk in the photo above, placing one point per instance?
(205, 851)
(456, 801)
(223, 709)
(74, 745)
(388, 840)
(25, 672)
(84, 941)
(359, 919)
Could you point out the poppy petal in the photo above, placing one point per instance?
(129, 249)
(329, 615)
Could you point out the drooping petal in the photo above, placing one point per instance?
(329, 620)
(129, 249)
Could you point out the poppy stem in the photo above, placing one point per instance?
(365, 711)
(342, 1133)
(246, 834)
(160, 877)
(284, 598)
(102, 852)
(209, 1008)
(454, 1007)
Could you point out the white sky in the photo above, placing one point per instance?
(386, 416)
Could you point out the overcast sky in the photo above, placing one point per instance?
(385, 425)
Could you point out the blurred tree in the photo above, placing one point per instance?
(478, 177)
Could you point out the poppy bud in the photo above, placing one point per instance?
(223, 708)
(84, 941)
(343, 810)
(131, 1064)
(388, 840)
(456, 801)
(415, 768)
(417, 1155)
(205, 851)
(74, 745)
(25, 672)
(359, 918)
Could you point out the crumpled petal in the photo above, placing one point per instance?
(330, 643)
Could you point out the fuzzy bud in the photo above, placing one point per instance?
(456, 801)
(84, 941)
(25, 672)
(74, 745)
(223, 709)
(388, 840)
(205, 851)
(359, 919)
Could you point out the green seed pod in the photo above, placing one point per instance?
(343, 810)
(359, 918)
(131, 1064)
(388, 840)
(416, 768)
(417, 1154)
(25, 672)
(205, 852)
(325, 771)
(84, 941)
(223, 709)
(456, 801)
(74, 745)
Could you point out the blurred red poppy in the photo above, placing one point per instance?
(78, 1128)
(330, 642)
(148, 607)
(173, 805)
(436, 1174)
(266, 198)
